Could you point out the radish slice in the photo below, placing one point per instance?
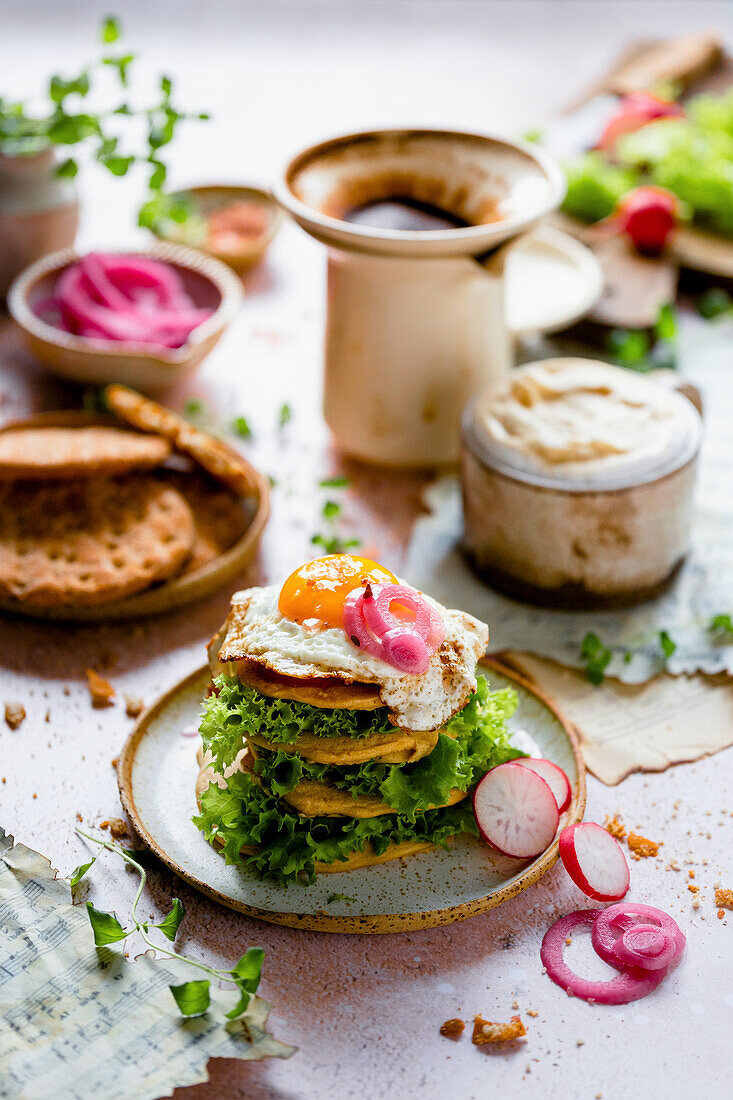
(554, 777)
(515, 811)
(594, 861)
(631, 947)
(629, 986)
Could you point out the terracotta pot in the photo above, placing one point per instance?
(39, 213)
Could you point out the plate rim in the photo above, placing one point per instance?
(176, 592)
(381, 923)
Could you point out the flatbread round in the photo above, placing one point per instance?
(391, 747)
(77, 452)
(367, 858)
(313, 799)
(219, 519)
(89, 542)
(221, 461)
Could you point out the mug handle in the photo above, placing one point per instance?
(551, 280)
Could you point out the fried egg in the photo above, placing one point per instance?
(296, 631)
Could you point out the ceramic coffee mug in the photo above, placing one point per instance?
(417, 317)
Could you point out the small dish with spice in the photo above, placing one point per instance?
(234, 224)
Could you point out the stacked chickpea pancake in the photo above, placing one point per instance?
(345, 724)
(97, 510)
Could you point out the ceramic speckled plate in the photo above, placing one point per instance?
(157, 773)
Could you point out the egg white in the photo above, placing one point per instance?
(257, 631)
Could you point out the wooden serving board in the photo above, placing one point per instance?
(636, 286)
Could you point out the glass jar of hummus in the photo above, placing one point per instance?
(578, 480)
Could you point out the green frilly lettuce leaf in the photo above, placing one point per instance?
(289, 846)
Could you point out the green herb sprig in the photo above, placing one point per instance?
(69, 124)
(192, 998)
(331, 541)
(632, 348)
(597, 655)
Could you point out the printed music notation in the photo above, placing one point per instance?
(80, 1021)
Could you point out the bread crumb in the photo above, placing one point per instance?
(615, 826)
(14, 715)
(532, 1012)
(723, 898)
(115, 761)
(696, 903)
(484, 1031)
(116, 826)
(133, 706)
(673, 865)
(515, 1004)
(78, 816)
(693, 889)
(101, 690)
(642, 848)
(691, 874)
(453, 1029)
(721, 914)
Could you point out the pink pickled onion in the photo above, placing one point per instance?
(371, 625)
(128, 298)
(628, 986)
(630, 948)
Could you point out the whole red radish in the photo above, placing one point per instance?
(515, 811)
(594, 861)
(554, 777)
(635, 111)
(647, 215)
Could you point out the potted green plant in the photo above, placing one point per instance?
(40, 155)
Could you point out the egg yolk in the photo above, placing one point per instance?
(318, 589)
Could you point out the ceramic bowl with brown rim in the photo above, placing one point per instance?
(234, 224)
(209, 283)
(196, 580)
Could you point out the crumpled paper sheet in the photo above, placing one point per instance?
(704, 587)
(636, 727)
(80, 1021)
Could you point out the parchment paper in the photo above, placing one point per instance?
(704, 587)
(80, 1021)
(637, 727)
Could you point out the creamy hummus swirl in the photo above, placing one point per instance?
(585, 421)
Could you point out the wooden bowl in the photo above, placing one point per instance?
(178, 591)
(205, 200)
(210, 284)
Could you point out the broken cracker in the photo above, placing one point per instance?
(51, 452)
(14, 715)
(452, 1029)
(101, 690)
(484, 1031)
(221, 461)
(90, 542)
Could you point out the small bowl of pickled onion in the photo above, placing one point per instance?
(145, 318)
(235, 224)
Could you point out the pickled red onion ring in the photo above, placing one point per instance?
(621, 950)
(356, 628)
(379, 616)
(406, 650)
(631, 985)
(370, 625)
(127, 298)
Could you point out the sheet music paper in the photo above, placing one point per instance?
(80, 1021)
(637, 727)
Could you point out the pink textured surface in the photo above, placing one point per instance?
(365, 1012)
